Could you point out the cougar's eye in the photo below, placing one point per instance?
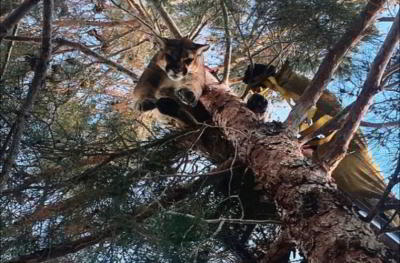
(188, 61)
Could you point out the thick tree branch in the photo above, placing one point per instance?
(16, 15)
(372, 86)
(85, 50)
(330, 63)
(311, 207)
(168, 19)
(37, 82)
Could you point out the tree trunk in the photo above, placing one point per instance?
(313, 212)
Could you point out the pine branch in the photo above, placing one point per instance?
(330, 63)
(138, 216)
(37, 82)
(85, 50)
(371, 87)
(15, 16)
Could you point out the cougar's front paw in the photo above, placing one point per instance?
(146, 104)
(187, 97)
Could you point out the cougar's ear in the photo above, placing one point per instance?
(200, 48)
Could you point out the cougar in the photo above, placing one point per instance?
(175, 74)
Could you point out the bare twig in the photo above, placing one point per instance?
(8, 53)
(83, 49)
(392, 182)
(372, 86)
(144, 23)
(331, 62)
(247, 49)
(228, 45)
(81, 22)
(380, 125)
(230, 220)
(37, 81)
(197, 28)
(16, 15)
(386, 19)
(168, 20)
(142, 11)
(390, 71)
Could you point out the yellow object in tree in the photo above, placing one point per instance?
(356, 174)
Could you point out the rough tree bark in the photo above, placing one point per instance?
(312, 210)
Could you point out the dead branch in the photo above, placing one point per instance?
(198, 27)
(143, 13)
(144, 23)
(37, 81)
(386, 19)
(80, 23)
(228, 45)
(15, 16)
(330, 63)
(394, 179)
(85, 50)
(168, 20)
(371, 87)
(390, 71)
(8, 53)
(380, 125)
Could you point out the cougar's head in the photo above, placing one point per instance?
(179, 56)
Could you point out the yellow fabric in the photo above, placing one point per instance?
(318, 124)
(356, 174)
